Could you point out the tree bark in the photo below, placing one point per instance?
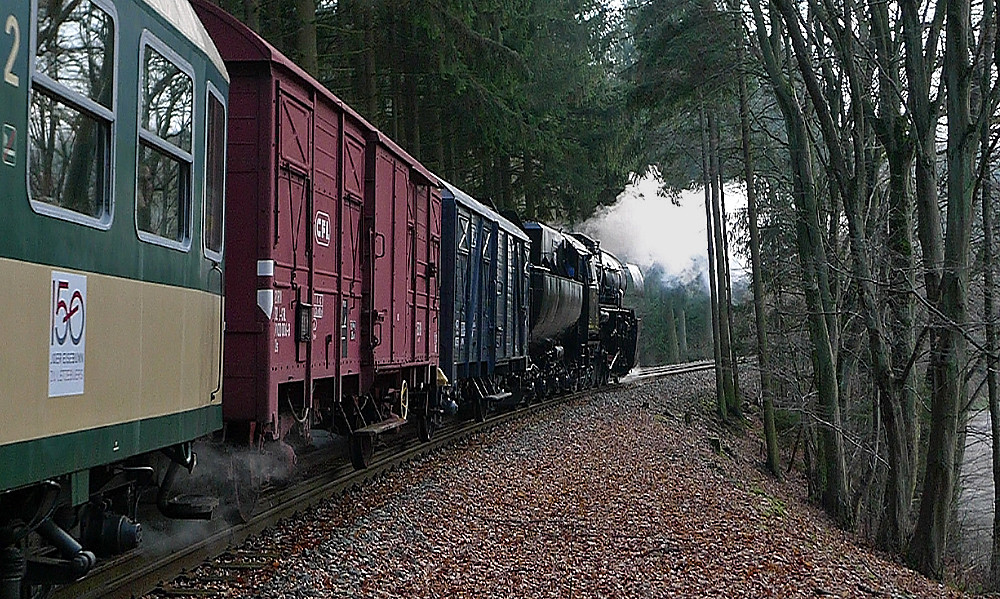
(989, 260)
(757, 277)
(897, 404)
(930, 539)
(712, 279)
(721, 271)
(305, 37)
(722, 232)
(989, 281)
(682, 334)
(812, 259)
(251, 12)
(365, 68)
(672, 350)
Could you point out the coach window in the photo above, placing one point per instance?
(166, 119)
(72, 111)
(215, 173)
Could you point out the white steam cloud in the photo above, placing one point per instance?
(647, 228)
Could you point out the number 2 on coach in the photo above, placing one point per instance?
(13, 29)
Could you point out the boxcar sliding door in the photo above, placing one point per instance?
(294, 221)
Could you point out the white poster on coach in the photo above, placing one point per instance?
(68, 334)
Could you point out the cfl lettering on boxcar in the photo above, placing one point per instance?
(344, 216)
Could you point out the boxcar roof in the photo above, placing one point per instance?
(182, 16)
(449, 191)
(243, 44)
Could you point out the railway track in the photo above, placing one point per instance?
(652, 372)
(143, 570)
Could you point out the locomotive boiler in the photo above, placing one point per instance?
(362, 293)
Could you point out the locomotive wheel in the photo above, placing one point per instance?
(362, 448)
(34, 547)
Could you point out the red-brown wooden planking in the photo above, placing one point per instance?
(322, 209)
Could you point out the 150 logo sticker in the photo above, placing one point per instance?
(68, 334)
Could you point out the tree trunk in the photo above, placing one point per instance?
(722, 232)
(396, 63)
(251, 12)
(721, 270)
(438, 127)
(682, 334)
(305, 37)
(989, 259)
(716, 345)
(897, 404)
(410, 64)
(757, 278)
(812, 259)
(504, 187)
(365, 68)
(529, 185)
(930, 539)
(989, 282)
(672, 350)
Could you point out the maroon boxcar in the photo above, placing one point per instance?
(332, 238)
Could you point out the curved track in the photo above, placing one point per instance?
(141, 571)
(653, 372)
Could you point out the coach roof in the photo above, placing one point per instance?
(182, 16)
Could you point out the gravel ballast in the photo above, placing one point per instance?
(621, 494)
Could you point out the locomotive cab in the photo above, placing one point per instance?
(565, 315)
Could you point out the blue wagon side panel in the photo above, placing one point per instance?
(449, 252)
(484, 289)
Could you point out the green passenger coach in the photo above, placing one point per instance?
(112, 167)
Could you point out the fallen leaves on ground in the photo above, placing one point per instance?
(611, 496)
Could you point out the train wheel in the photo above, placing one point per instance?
(245, 482)
(479, 408)
(404, 401)
(27, 545)
(426, 424)
(32, 547)
(362, 448)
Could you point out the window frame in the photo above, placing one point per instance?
(149, 40)
(464, 230)
(209, 253)
(82, 104)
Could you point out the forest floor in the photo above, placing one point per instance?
(635, 492)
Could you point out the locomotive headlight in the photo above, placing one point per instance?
(303, 322)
